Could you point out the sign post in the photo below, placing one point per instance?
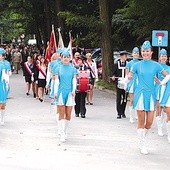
(159, 39)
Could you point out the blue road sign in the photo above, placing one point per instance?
(159, 38)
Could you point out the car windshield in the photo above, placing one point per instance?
(96, 55)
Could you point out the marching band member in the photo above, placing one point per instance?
(64, 91)
(93, 77)
(144, 96)
(119, 74)
(4, 81)
(52, 67)
(8, 72)
(42, 78)
(165, 99)
(51, 77)
(35, 74)
(75, 59)
(159, 90)
(28, 74)
(80, 98)
(132, 84)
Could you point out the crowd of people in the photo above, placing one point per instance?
(58, 78)
(70, 83)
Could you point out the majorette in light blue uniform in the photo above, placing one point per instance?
(3, 89)
(53, 66)
(7, 66)
(158, 87)
(133, 82)
(66, 73)
(145, 94)
(165, 95)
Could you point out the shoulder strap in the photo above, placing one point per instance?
(90, 68)
(39, 68)
(27, 68)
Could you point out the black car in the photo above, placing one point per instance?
(96, 55)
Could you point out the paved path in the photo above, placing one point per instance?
(29, 141)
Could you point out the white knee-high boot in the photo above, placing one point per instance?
(2, 116)
(59, 124)
(159, 125)
(131, 114)
(62, 125)
(142, 141)
(168, 130)
(66, 128)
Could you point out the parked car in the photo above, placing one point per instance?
(97, 57)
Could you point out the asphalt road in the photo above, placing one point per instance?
(29, 141)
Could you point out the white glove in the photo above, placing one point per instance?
(56, 84)
(165, 80)
(96, 80)
(5, 76)
(74, 85)
(32, 77)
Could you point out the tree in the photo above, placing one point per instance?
(106, 42)
(136, 20)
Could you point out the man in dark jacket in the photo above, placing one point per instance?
(119, 74)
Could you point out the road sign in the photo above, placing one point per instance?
(159, 38)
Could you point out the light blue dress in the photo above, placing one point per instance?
(66, 74)
(3, 89)
(165, 100)
(53, 65)
(7, 66)
(158, 87)
(133, 82)
(145, 93)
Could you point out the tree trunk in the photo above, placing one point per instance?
(48, 27)
(58, 8)
(59, 22)
(106, 42)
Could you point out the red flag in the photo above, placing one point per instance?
(52, 47)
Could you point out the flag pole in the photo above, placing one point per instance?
(55, 44)
(52, 27)
(70, 45)
(60, 41)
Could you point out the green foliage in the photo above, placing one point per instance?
(78, 21)
(132, 21)
(139, 18)
(13, 18)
